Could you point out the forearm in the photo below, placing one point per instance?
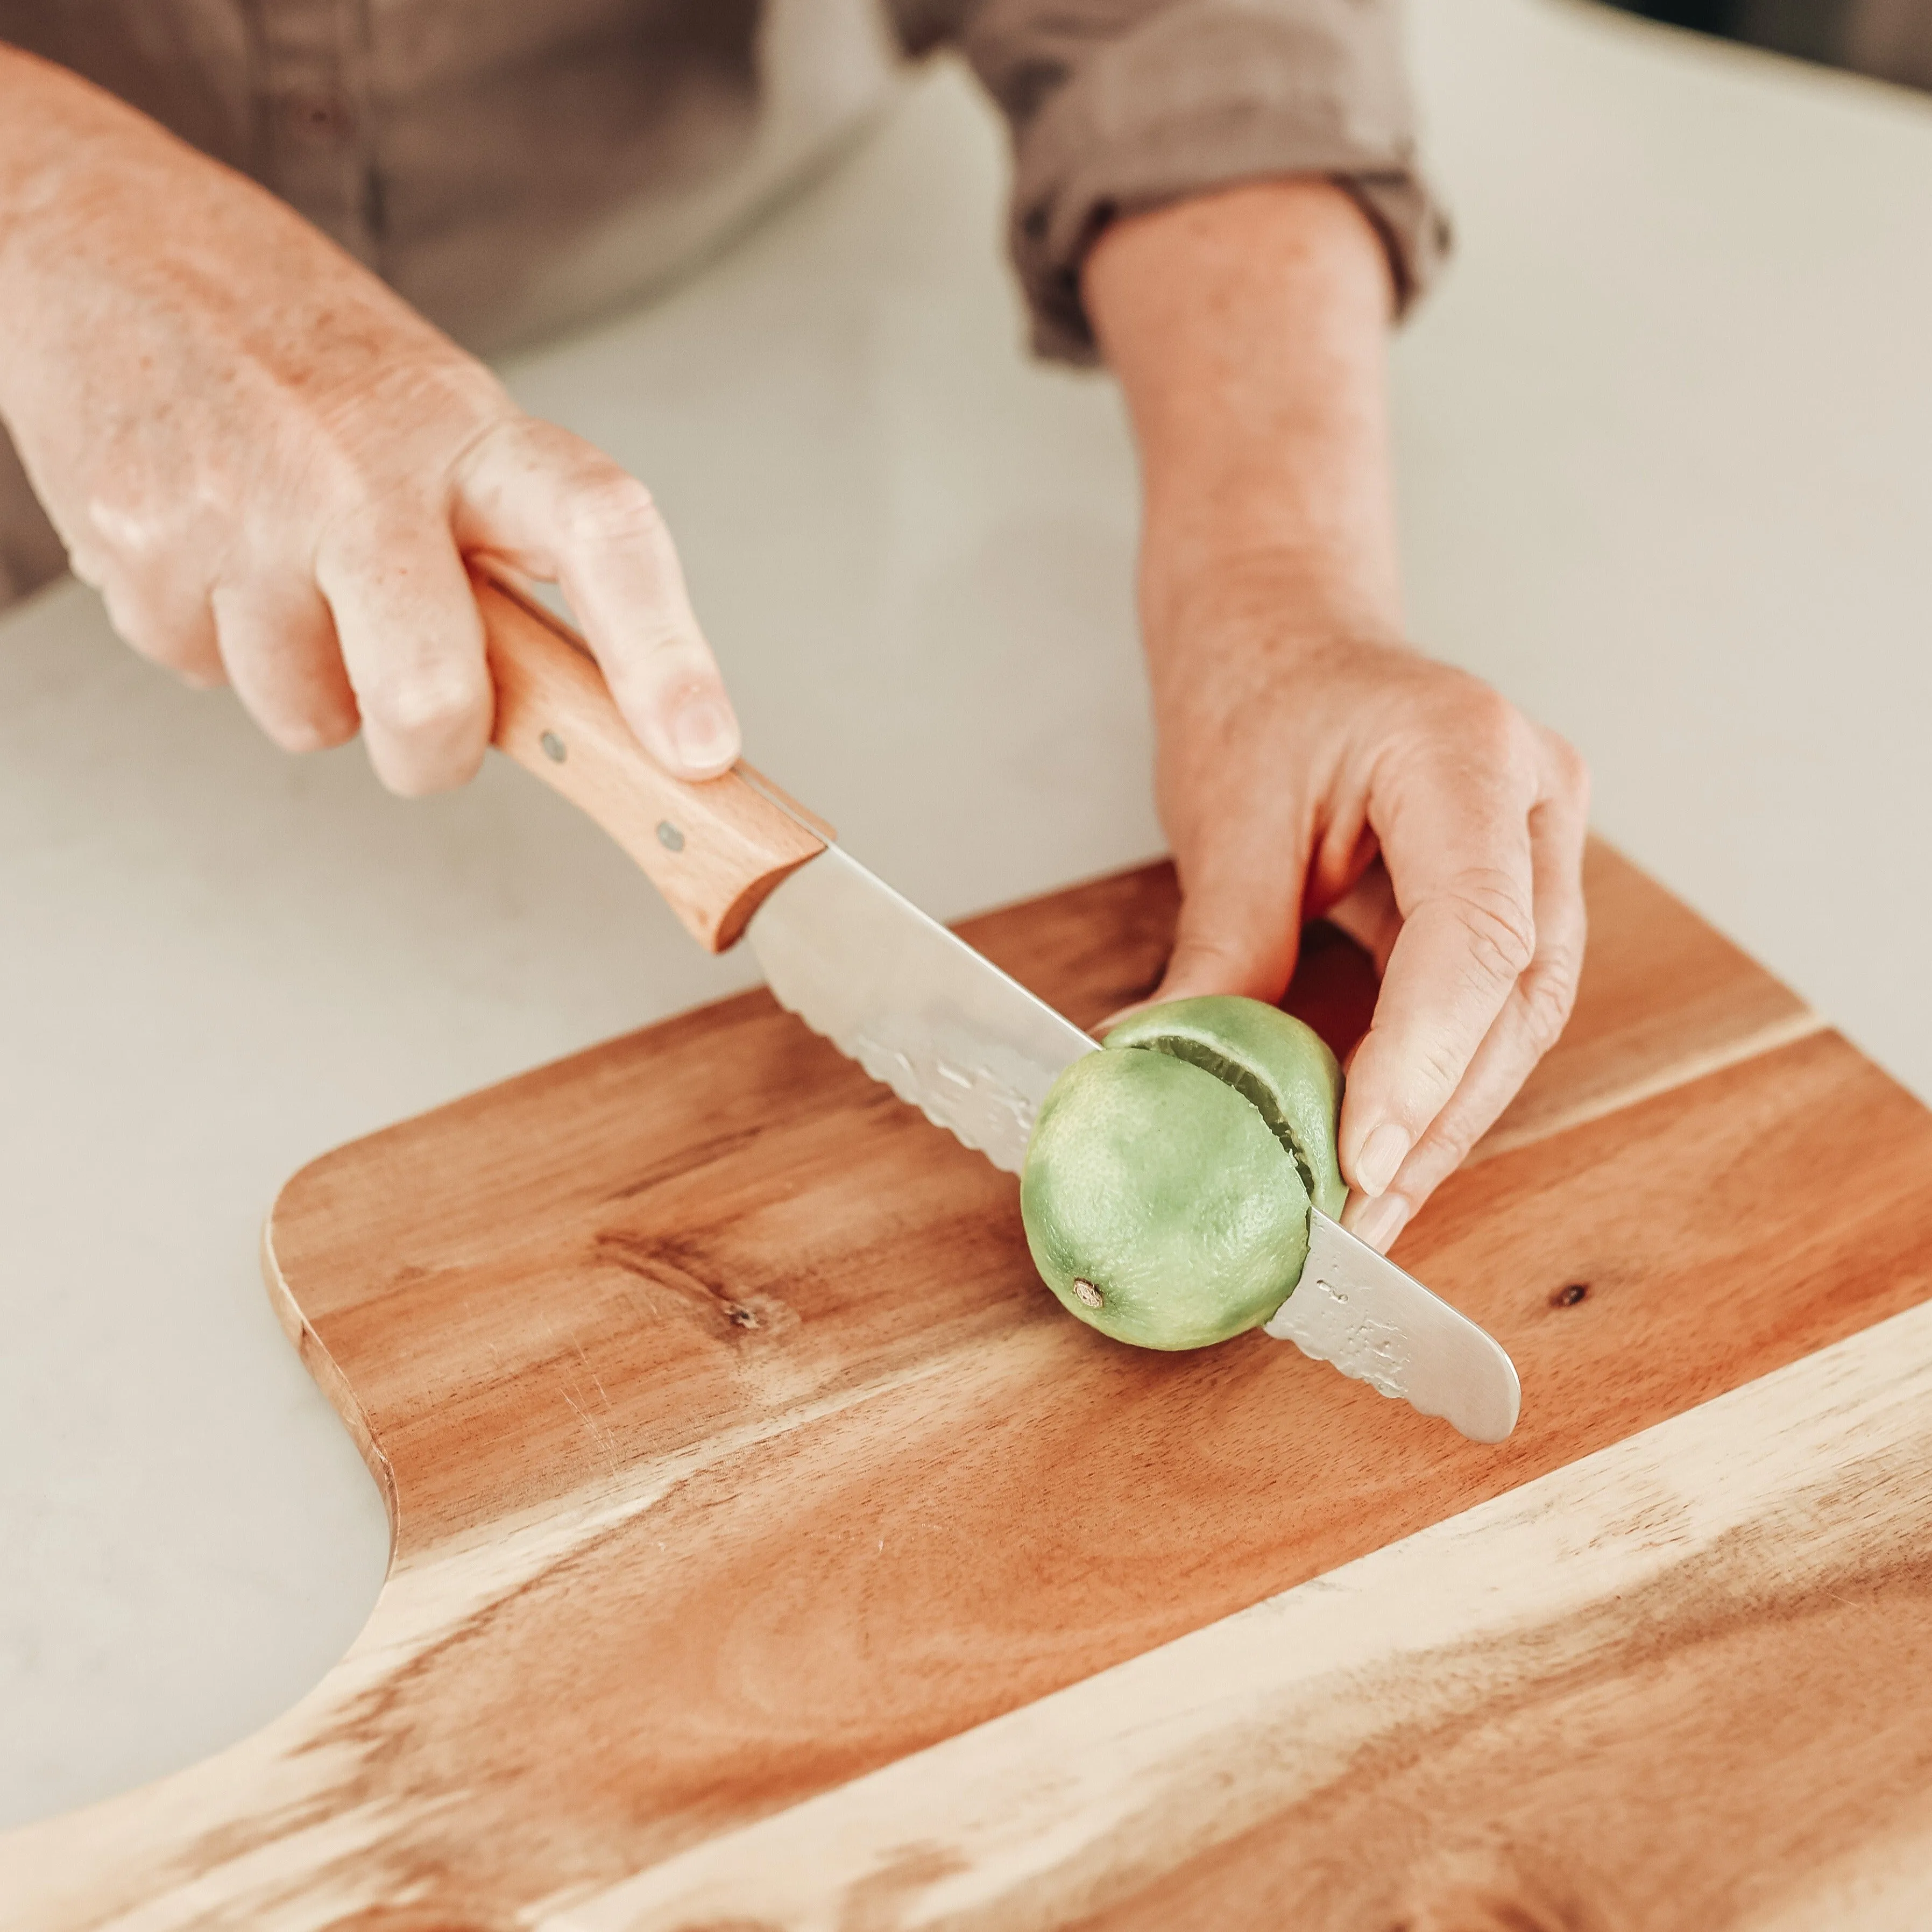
(1247, 329)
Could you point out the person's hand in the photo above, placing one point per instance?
(1309, 764)
(273, 469)
(1409, 802)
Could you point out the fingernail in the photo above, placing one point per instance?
(1381, 1221)
(1382, 1153)
(705, 733)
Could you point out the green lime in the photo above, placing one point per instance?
(1167, 1185)
(1269, 1057)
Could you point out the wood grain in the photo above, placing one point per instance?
(714, 849)
(734, 1451)
(1524, 1720)
(1624, 1042)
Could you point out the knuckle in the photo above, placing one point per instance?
(1545, 1015)
(1569, 768)
(1469, 742)
(1444, 1149)
(1495, 915)
(1415, 1090)
(318, 732)
(372, 522)
(1442, 1068)
(293, 735)
(134, 622)
(610, 509)
(1548, 995)
(429, 703)
(669, 667)
(173, 647)
(337, 730)
(407, 781)
(416, 778)
(158, 643)
(1491, 737)
(1491, 712)
(1489, 725)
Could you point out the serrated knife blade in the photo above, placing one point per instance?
(1355, 1309)
(913, 1003)
(942, 1027)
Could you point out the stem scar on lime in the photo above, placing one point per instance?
(1177, 1166)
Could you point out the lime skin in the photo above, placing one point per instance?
(1279, 1063)
(1166, 1190)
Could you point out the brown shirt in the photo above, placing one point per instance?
(512, 167)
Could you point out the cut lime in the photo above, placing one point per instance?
(1167, 1185)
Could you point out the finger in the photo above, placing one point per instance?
(549, 503)
(1455, 836)
(412, 644)
(156, 593)
(1240, 924)
(1531, 1020)
(278, 643)
(176, 632)
(1226, 942)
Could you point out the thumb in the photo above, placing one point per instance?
(1238, 931)
(547, 502)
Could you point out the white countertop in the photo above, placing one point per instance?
(1667, 463)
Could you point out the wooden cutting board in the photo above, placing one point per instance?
(734, 1453)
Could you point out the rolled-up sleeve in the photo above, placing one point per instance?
(1120, 106)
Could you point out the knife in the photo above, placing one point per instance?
(913, 1003)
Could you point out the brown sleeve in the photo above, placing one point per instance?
(1117, 105)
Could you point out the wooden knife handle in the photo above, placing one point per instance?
(713, 849)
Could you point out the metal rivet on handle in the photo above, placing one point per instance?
(669, 836)
(553, 747)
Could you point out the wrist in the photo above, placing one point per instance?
(1247, 329)
(1274, 606)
